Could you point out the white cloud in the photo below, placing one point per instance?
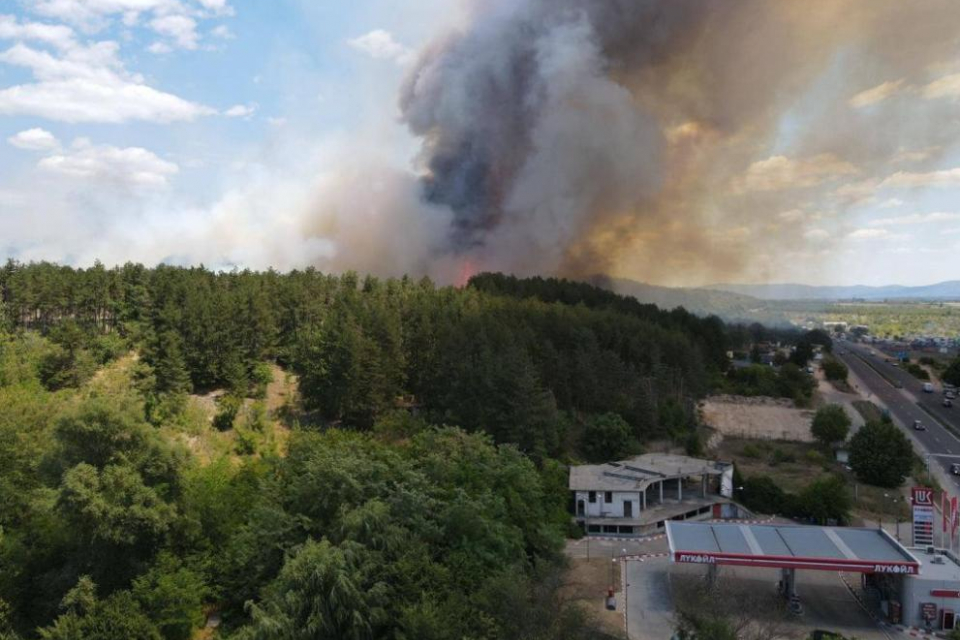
(219, 7)
(159, 48)
(172, 19)
(241, 111)
(57, 35)
(793, 215)
(945, 87)
(943, 178)
(34, 140)
(876, 94)
(912, 156)
(779, 172)
(277, 122)
(88, 84)
(873, 234)
(892, 203)
(92, 14)
(223, 32)
(816, 234)
(916, 219)
(180, 29)
(127, 167)
(380, 44)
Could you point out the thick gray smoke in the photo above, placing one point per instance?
(585, 136)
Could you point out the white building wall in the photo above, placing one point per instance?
(613, 509)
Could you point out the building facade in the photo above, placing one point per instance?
(636, 496)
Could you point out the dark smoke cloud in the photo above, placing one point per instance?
(586, 136)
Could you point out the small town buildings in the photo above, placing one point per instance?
(637, 496)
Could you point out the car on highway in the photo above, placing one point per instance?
(955, 468)
(919, 426)
(898, 384)
(948, 403)
(950, 395)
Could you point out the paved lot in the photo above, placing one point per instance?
(827, 602)
(648, 602)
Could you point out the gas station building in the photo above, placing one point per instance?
(918, 587)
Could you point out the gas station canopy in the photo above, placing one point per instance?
(789, 547)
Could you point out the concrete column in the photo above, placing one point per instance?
(703, 486)
(643, 498)
(679, 489)
(661, 491)
(788, 583)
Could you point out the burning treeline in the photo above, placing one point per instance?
(585, 136)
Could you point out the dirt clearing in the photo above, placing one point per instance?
(757, 418)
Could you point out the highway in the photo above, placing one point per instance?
(942, 445)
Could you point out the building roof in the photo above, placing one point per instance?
(789, 546)
(945, 568)
(639, 472)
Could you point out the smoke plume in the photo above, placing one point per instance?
(652, 138)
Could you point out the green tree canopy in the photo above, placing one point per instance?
(605, 438)
(826, 499)
(835, 370)
(830, 425)
(952, 374)
(881, 455)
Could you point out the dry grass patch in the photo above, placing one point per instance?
(757, 418)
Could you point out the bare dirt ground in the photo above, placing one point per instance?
(586, 582)
(757, 418)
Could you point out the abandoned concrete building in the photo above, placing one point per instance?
(637, 496)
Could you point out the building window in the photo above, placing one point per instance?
(592, 496)
(608, 496)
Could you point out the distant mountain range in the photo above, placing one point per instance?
(728, 305)
(770, 304)
(942, 291)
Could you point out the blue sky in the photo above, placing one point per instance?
(261, 133)
(202, 100)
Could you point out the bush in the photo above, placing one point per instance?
(826, 499)
(815, 457)
(762, 494)
(952, 374)
(246, 442)
(918, 372)
(750, 451)
(835, 370)
(229, 407)
(694, 445)
(108, 347)
(830, 424)
(881, 455)
(782, 457)
(261, 376)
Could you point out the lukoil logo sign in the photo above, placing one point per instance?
(697, 558)
(894, 568)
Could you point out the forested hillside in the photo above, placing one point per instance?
(368, 522)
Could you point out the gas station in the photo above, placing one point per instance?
(917, 586)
